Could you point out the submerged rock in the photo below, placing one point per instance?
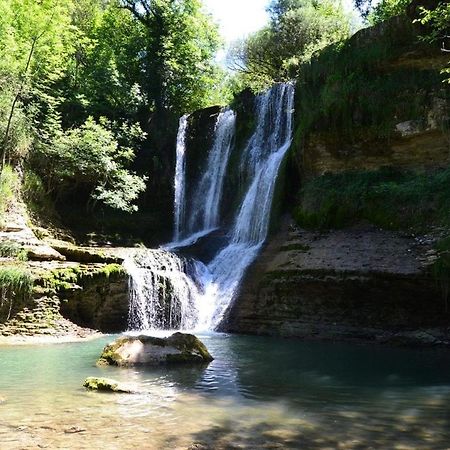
(180, 348)
(106, 385)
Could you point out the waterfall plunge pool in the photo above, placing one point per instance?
(259, 392)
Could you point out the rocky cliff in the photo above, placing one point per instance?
(359, 283)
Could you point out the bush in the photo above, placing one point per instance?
(11, 249)
(90, 155)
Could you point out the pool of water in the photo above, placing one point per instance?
(258, 393)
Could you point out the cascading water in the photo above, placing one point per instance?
(206, 200)
(261, 159)
(200, 295)
(204, 208)
(162, 290)
(180, 182)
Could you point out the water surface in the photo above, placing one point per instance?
(258, 393)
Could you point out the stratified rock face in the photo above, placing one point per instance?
(349, 284)
(180, 348)
(106, 385)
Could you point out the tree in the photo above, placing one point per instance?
(34, 31)
(180, 43)
(297, 29)
(437, 22)
(91, 156)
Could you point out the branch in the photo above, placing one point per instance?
(130, 5)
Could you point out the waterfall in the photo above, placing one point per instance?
(208, 193)
(168, 291)
(180, 178)
(162, 290)
(261, 159)
(204, 208)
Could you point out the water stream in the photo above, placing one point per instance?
(210, 288)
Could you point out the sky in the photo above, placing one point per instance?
(238, 18)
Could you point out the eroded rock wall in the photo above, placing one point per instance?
(359, 283)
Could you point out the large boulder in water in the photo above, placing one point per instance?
(180, 348)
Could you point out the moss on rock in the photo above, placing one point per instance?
(105, 385)
(180, 348)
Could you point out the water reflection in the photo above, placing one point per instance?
(257, 393)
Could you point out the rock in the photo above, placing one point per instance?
(180, 348)
(44, 253)
(106, 385)
(409, 127)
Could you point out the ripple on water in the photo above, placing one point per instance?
(258, 392)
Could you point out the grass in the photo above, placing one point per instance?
(388, 198)
(11, 249)
(9, 188)
(16, 285)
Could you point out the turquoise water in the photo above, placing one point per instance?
(258, 393)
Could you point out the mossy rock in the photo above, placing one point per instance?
(180, 348)
(105, 385)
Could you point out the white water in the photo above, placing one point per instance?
(262, 158)
(162, 290)
(167, 291)
(180, 178)
(205, 207)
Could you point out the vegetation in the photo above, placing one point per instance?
(80, 82)
(297, 29)
(9, 186)
(334, 86)
(437, 22)
(387, 198)
(16, 285)
(11, 249)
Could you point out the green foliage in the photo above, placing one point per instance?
(387, 9)
(16, 284)
(346, 87)
(298, 28)
(79, 78)
(91, 155)
(179, 43)
(9, 188)
(11, 249)
(437, 22)
(387, 198)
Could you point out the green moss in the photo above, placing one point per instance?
(358, 90)
(105, 385)
(66, 277)
(9, 189)
(16, 285)
(387, 198)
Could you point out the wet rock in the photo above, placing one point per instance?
(180, 348)
(106, 385)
